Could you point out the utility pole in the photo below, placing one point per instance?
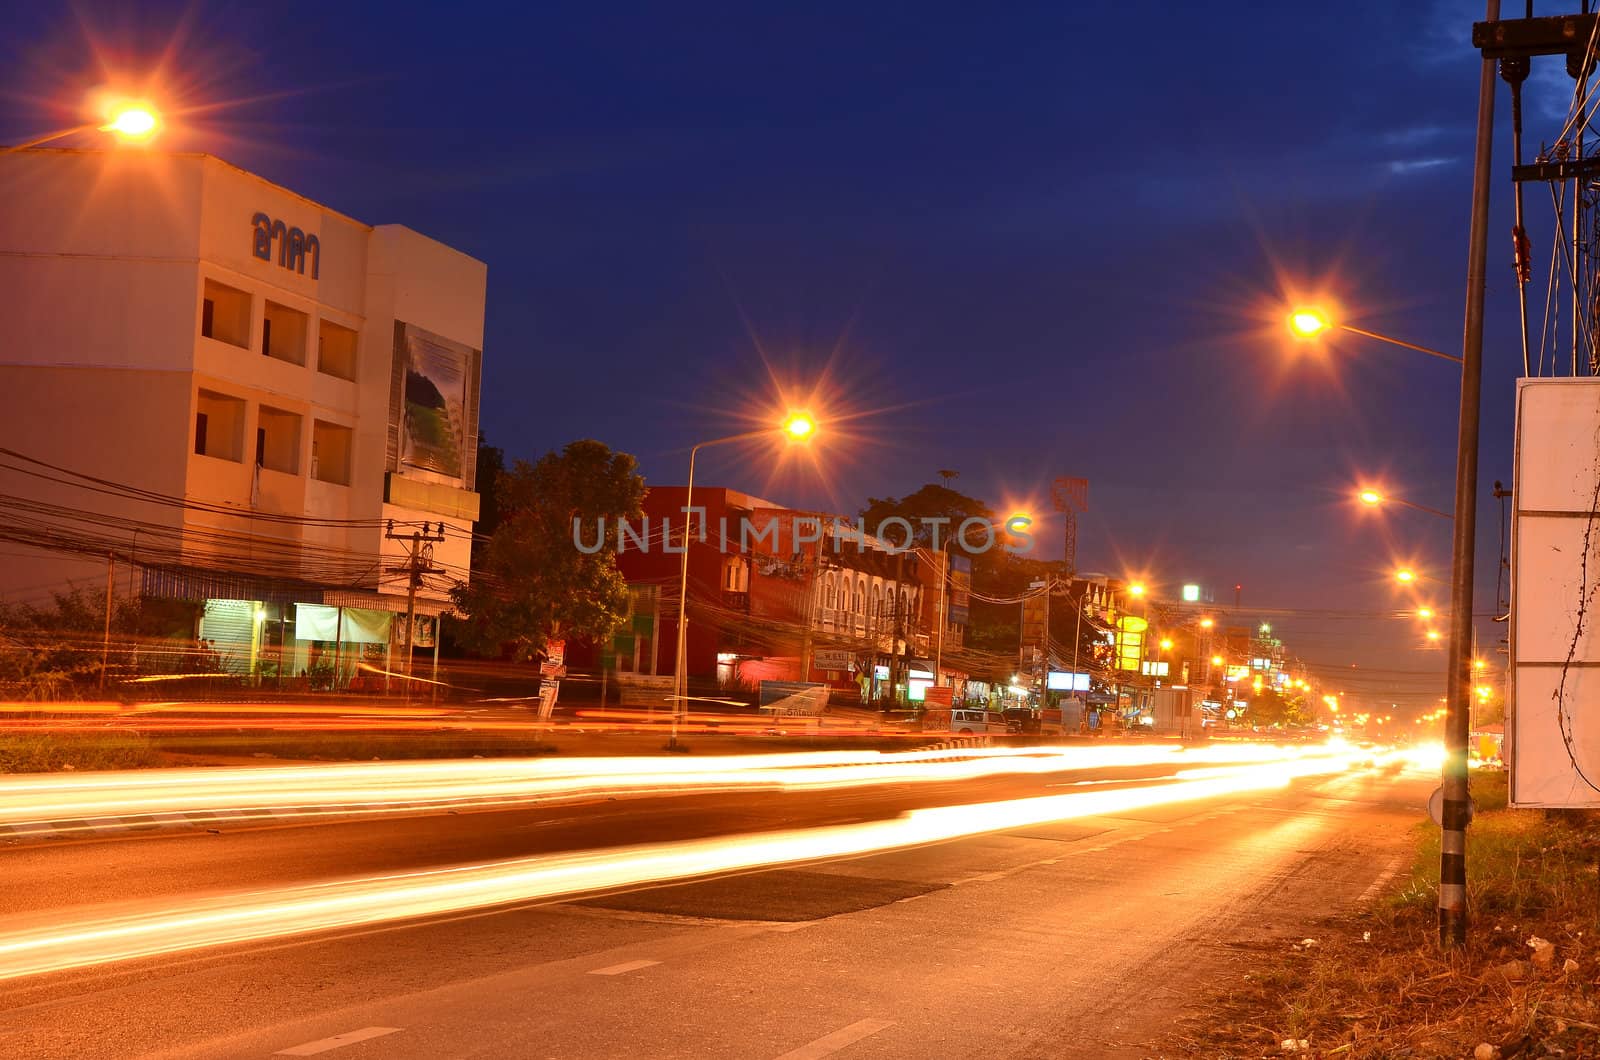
(419, 561)
(899, 624)
(944, 583)
(1457, 808)
(105, 645)
(810, 612)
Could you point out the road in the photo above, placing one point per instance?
(1072, 938)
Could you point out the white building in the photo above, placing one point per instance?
(236, 390)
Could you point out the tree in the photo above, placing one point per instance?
(534, 583)
(1271, 707)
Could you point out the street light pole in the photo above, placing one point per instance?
(797, 426)
(1454, 816)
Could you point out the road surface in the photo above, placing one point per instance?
(1078, 938)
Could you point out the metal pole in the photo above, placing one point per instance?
(1044, 662)
(680, 681)
(1077, 638)
(810, 613)
(1453, 830)
(435, 657)
(944, 583)
(411, 608)
(105, 645)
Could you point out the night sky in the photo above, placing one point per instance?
(1045, 240)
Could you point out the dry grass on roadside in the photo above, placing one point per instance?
(1377, 985)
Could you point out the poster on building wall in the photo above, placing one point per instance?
(433, 407)
(960, 588)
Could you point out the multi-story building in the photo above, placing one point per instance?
(764, 604)
(235, 396)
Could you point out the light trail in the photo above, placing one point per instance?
(250, 916)
(375, 788)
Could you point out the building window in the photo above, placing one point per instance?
(278, 440)
(336, 350)
(283, 333)
(219, 426)
(225, 314)
(330, 452)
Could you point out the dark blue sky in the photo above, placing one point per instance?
(1040, 241)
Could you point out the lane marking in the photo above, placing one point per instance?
(338, 1041)
(1382, 881)
(982, 877)
(829, 1044)
(621, 969)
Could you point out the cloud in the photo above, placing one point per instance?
(1403, 166)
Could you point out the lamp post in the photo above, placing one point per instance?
(1458, 688)
(797, 426)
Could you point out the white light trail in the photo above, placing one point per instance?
(31, 948)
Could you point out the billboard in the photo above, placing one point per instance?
(960, 588)
(1068, 682)
(1130, 642)
(789, 698)
(434, 413)
(1553, 720)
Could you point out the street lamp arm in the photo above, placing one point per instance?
(1430, 351)
(1423, 508)
(47, 137)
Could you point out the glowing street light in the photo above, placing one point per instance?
(1405, 575)
(1136, 589)
(133, 120)
(1166, 643)
(1424, 613)
(797, 427)
(1374, 498)
(1207, 623)
(1433, 634)
(1216, 660)
(1312, 322)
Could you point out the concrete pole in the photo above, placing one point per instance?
(1453, 828)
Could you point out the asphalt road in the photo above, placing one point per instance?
(1075, 939)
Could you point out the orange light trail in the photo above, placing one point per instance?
(152, 929)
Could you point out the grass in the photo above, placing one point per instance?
(55, 752)
(355, 747)
(1377, 984)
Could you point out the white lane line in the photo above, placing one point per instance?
(982, 877)
(621, 969)
(829, 1044)
(1382, 881)
(338, 1041)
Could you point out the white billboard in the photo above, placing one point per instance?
(1553, 711)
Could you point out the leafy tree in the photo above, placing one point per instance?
(1271, 707)
(533, 582)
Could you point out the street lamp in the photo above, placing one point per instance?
(1373, 498)
(797, 427)
(1309, 322)
(128, 120)
(1312, 322)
